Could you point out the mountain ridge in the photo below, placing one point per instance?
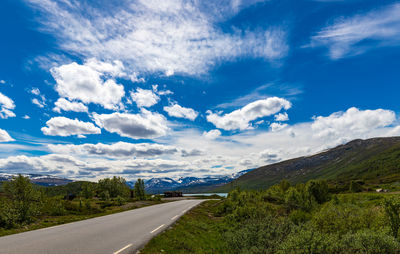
(367, 160)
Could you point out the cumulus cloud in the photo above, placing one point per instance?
(158, 36)
(63, 104)
(357, 34)
(176, 110)
(4, 136)
(352, 122)
(240, 119)
(119, 149)
(144, 125)
(144, 98)
(89, 83)
(6, 105)
(277, 126)
(281, 117)
(212, 134)
(62, 126)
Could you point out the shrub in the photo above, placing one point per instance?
(392, 210)
(8, 215)
(343, 218)
(302, 241)
(258, 235)
(369, 242)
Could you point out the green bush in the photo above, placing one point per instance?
(369, 242)
(54, 206)
(258, 235)
(344, 217)
(392, 210)
(307, 241)
(8, 215)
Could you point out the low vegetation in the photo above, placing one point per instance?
(24, 206)
(304, 218)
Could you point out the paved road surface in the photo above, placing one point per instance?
(112, 234)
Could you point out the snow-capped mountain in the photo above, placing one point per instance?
(44, 180)
(188, 184)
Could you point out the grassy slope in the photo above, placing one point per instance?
(198, 231)
(365, 160)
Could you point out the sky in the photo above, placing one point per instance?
(154, 88)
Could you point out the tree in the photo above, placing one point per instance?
(115, 187)
(284, 185)
(24, 199)
(318, 189)
(87, 190)
(140, 189)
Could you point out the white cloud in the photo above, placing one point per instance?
(241, 118)
(144, 98)
(176, 110)
(62, 126)
(38, 102)
(357, 34)
(281, 117)
(119, 149)
(352, 122)
(2, 81)
(158, 36)
(6, 105)
(26, 117)
(63, 104)
(224, 155)
(4, 136)
(277, 126)
(35, 91)
(85, 83)
(137, 126)
(212, 134)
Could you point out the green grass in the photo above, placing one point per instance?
(49, 221)
(198, 231)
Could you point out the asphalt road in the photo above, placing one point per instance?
(117, 233)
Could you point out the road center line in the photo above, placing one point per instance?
(173, 218)
(121, 250)
(157, 229)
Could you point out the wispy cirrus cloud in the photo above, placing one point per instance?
(158, 36)
(349, 36)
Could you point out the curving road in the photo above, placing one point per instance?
(118, 233)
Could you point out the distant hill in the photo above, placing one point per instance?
(375, 160)
(42, 180)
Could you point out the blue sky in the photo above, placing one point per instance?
(90, 89)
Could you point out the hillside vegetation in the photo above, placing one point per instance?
(25, 206)
(304, 218)
(372, 162)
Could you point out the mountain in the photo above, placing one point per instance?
(187, 184)
(374, 161)
(43, 180)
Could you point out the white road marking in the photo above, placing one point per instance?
(173, 218)
(121, 250)
(184, 211)
(157, 229)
